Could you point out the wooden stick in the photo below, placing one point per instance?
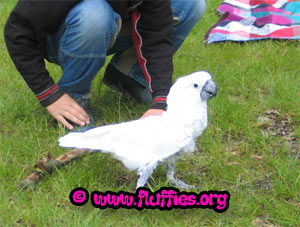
(48, 164)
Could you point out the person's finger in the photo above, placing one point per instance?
(62, 120)
(152, 112)
(79, 115)
(73, 118)
(80, 110)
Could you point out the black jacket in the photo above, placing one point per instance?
(31, 21)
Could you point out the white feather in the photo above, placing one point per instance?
(146, 142)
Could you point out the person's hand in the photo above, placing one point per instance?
(152, 112)
(66, 108)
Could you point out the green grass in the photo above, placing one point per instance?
(251, 77)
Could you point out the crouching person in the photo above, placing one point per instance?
(79, 35)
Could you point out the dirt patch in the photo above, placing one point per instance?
(263, 221)
(264, 184)
(273, 123)
(4, 131)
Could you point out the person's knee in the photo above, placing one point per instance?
(196, 10)
(93, 22)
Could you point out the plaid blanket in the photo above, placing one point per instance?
(245, 20)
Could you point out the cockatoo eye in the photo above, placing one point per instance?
(195, 85)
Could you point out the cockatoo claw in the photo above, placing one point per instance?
(182, 185)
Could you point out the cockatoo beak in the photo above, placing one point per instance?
(209, 90)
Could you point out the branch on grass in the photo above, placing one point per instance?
(48, 164)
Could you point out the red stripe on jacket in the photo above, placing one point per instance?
(137, 43)
(46, 93)
(160, 99)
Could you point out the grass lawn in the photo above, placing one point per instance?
(251, 147)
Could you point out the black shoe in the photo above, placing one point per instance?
(120, 82)
(84, 103)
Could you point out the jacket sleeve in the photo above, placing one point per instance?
(152, 25)
(24, 32)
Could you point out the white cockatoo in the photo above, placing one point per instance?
(144, 143)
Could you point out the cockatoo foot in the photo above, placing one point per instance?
(182, 185)
(145, 172)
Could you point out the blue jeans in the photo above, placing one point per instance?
(92, 31)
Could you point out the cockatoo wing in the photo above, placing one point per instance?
(135, 143)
